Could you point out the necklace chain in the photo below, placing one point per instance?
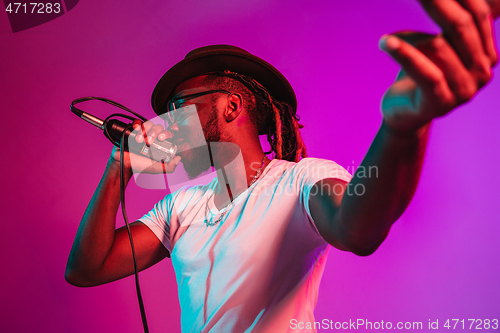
(212, 223)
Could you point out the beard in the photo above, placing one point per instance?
(212, 131)
(198, 162)
(218, 149)
(201, 157)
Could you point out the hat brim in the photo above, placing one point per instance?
(218, 58)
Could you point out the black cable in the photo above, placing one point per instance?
(105, 100)
(124, 212)
(122, 182)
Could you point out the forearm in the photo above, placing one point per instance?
(96, 232)
(382, 187)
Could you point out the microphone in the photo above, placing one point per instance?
(162, 151)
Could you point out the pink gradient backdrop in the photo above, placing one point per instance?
(440, 260)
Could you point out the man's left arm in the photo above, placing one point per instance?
(438, 73)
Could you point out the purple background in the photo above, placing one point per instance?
(440, 259)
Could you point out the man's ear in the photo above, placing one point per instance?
(234, 107)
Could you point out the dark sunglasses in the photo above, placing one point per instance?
(175, 109)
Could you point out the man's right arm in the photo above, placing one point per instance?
(101, 253)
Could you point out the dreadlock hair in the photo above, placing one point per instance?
(267, 114)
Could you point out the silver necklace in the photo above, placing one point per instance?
(212, 223)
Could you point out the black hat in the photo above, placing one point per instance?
(218, 58)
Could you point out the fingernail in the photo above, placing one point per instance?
(161, 136)
(150, 139)
(389, 43)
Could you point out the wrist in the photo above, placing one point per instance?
(113, 168)
(405, 140)
(406, 133)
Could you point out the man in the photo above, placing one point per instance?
(249, 248)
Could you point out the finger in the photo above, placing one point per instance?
(462, 83)
(153, 133)
(419, 67)
(459, 27)
(413, 37)
(143, 131)
(439, 51)
(170, 166)
(165, 134)
(482, 16)
(136, 124)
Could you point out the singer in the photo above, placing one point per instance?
(249, 248)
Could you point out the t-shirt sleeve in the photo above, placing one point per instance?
(158, 220)
(310, 171)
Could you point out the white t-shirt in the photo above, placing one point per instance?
(260, 267)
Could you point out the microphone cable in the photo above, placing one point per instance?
(104, 125)
(127, 224)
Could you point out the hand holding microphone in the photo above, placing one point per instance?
(152, 153)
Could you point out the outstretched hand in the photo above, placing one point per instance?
(440, 72)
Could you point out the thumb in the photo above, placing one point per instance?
(172, 165)
(414, 38)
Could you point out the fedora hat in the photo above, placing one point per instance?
(218, 58)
